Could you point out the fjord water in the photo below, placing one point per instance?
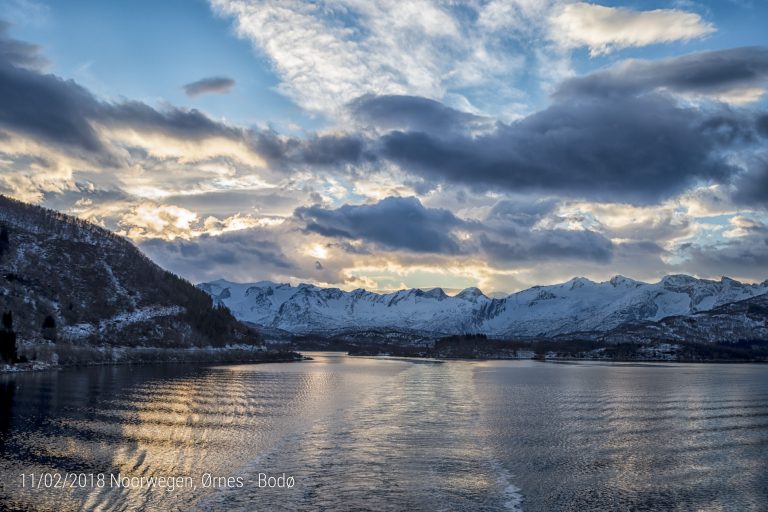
(390, 434)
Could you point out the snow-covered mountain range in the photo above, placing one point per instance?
(542, 311)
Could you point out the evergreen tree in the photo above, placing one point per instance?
(8, 320)
(49, 328)
(4, 240)
(8, 339)
(49, 322)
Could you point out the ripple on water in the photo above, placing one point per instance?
(373, 434)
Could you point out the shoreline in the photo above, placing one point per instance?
(568, 359)
(132, 356)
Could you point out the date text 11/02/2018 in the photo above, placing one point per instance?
(55, 480)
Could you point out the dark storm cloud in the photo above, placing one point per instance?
(411, 113)
(506, 235)
(19, 53)
(181, 123)
(611, 135)
(48, 108)
(509, 234)
(331, 149)
(639, 249)
(534, 245)
(520, 212)
(210, 257)
(213, 84)
(707, 73)
(62, 112)
(729, 129)
(315, 150)
(752, 184)
(638, 149)
(393, 223)
(762, 125)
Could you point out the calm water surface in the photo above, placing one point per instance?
(388, 434)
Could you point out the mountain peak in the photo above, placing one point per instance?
(436, 293)
(472, 293)
(678, 280)
(731, 282)
(578, 282)
(619, 280)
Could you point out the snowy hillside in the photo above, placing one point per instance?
(66, 281)
(577, 305)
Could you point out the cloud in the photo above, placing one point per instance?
(328, 53)
(331, 149)
(230, 254)
(557, 244)
(265, 201)
(516, 231)
(394, 223)
(520, 212)
(752, 183)
(47, 107)
(508, 234)
(659, 223)
(19, 53)
(743, 255)
(180, 123)
(762, 125)
(409, 113)
(600, 181)
(717, 74)
(611, 135)
(63, 113)
(606, 29)
(469, 55)
(640, 149)
(209, 85)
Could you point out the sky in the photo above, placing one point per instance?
(393, 144)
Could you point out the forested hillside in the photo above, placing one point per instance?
(64, 281)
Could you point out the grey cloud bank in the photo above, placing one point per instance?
(614, 134)
(507, 235)
(393, 223)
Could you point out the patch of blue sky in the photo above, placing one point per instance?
(145, 50)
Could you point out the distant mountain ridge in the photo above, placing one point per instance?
(579, 305)
(66, 280)
(744, 320)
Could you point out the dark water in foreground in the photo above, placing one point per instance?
(384, 434)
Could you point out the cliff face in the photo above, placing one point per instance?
(65, 281)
